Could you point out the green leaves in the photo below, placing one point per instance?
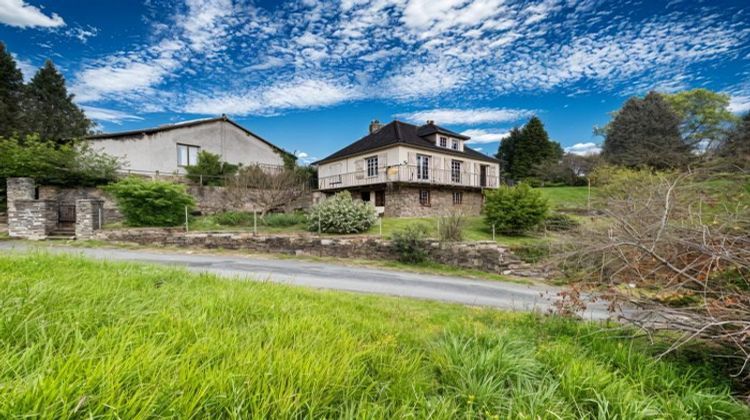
(514, 210)
(527, 148)
(341, 214)
(210, 170)
(151, 203)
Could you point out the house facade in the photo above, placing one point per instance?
(170, 148)
(409, 170)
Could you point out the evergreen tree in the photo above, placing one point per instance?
(505, 151)
(736, 149)
(11, 91)
(49, 109)
(531, 148)
(646, 132)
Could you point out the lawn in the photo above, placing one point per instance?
(567, 197)
(84, 339)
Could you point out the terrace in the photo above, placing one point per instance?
(410, 174)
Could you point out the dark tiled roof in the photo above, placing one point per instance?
(184, 124)
(401, 133)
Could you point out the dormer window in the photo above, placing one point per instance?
(455, 145)
(444, 142)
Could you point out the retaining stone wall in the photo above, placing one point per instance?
(87, 217)
(32, 219)
(484, 256)
(402, 201)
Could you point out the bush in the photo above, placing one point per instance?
(514, 210)
(558, 222)
(284, 219)
(151, 203)
(341, 214)
(410, 243)
(233, 218)
(451, 227)
(210, 170)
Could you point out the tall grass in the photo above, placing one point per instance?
(80, 338)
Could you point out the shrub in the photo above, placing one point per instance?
(151, 203)
(341, 214)
(452, 227)
(233, 218)
(210, 170)
(284, 219)
(410, 243)
(514, 210)
(558, 222)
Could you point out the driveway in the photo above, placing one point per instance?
(319, 275)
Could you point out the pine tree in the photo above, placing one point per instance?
(533, 148)
(646, 132)
(11, 91)
(50, 111)
(506, 149)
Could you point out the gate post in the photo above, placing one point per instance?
(88, 218)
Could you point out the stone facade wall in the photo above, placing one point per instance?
(88, 213)
(71, 195)
(484, 256)
(209, 200)
(403, 201)
(32, 219)
(19, 189)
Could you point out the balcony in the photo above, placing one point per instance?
(409, 174)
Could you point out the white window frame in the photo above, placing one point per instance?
(455, 145)
(458, 198)
(426, 200)
(443, 142)
(456, 171)
(371, 163)
(423, 167)
(191, 154)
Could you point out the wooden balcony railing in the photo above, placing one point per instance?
(409, 174)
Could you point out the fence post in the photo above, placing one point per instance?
(380, 225)
(255, 222)
(493, 232)
(100, 217)
(187, 226)
(588, 201)
(201, 180)
(320, 230)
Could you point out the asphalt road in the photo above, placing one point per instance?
(503, 295)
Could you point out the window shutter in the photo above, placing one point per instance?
(382, 160)
(359, 168)
(475, 176)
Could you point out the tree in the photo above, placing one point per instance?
(571, 169)
(210, 170)
(269, 189)
(514, 210)
(151, 203)
(646, 132)
(11, 91)
(736, 149)
(526, 148)
(49, 109)
(704, 117)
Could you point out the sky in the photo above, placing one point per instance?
(310, 75)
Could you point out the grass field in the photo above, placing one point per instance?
(88, 339)
(567, 197)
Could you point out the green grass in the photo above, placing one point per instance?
(566, 197)
(88, 339)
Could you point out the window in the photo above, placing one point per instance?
(455, 145)
(187, 155)
(444, 142)
(365, 196)
(456, 171)
(372, 166)
(424, 197)
(379, 198)
(458, 198)
(423, 167)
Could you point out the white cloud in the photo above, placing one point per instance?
(467, 116)
(22, 15)
(27, 68)
(584, 149)
(739, 104)
(480, 136)
(111, 115)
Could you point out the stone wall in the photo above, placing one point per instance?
(32, 219)
(71, 195)
(209, 200)
(484, 256)
(19, 189)
(403, 201)
(89, 217)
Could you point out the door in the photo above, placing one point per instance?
(483, 176)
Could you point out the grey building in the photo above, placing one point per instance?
(169, 148)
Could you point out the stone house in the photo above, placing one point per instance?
(409, 170)
(167, 149)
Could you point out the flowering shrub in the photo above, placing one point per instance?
(341, 214)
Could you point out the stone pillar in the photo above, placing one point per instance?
(89, 217)
(19, 189)
(32, 219)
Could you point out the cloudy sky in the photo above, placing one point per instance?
(309, 75)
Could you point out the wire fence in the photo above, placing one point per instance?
(211, 180)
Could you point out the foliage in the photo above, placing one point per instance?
(646, 132)
(133, 341)
(49, 110)
(569, 170)
(151, 203)
(74, 164)
(514, 210)
(269, 188)
(11, 94)
(526, 148)
(284, 219)
(341, 214)
(558, 222)
(233, 218)
(411, 243)
(704, 117)
(451, 227)
(210, 170)
(736, 150)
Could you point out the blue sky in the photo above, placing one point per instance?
(309, 75)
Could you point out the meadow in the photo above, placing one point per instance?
(82, 338)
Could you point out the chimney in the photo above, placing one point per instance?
(375, 126)
(430, 122)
